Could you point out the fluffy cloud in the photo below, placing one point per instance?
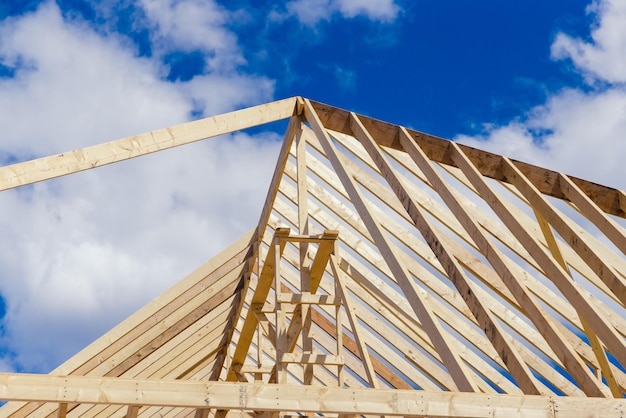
(311, 12)
(80, 253)
(190, 25)
(604, 57)
(576, 131)
(70, 80)
(90, 248)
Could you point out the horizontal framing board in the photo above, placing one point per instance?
(272, 397)
(608, 199)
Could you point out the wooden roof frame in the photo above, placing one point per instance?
(486, 310)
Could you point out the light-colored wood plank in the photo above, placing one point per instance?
(354, 322)
(340, 210)
(570, 290)
(547, 296)
(486, 221)
(303, 228)
(596, 344)
(202, 413)
(281, 317)
(614, 232)
(62, 412)
(283, 155)
(407, 349)
(456, 367)
(132, 411)
(260, 295)
(575, 239)
(122, 336)
(262, 397)
(309, 299)
(397, 303)
(531, 336)
(29, 172)
(499, 338)
(312, 358)
(610, 200)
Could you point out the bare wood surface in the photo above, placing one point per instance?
(354, 323)
(530, 334)
(260, 295)
(557, 275)
(596, 344)
(590, 209)
(456, 367)
(62, 412)
(389, 301)
(29, 172)
(262, 397)
(499, 338)
(574, 238)
(143, 320)
(610, 200)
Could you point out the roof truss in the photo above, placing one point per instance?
(456, 270)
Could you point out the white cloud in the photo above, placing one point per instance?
(78, 254)
(604, 57)
(311, 12)
(574, 132)
(75, 87)
(83, 252)
(577, 132)
(188, 25)
(380, 10)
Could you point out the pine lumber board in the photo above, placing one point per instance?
(452, 320)
(439, 336)
(591, 211)
(435, 373)
(573, 364)
(610, 200)
(264, 397)
(575, 239)
(497, 335)
(46, 168)
(136, 324)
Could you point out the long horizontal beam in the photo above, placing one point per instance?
(273, 397)
(608, 199)
(45, 168)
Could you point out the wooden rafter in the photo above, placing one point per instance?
(481, 312)
(610, 200)
(46, 168)
(419, 305)
(420, 269)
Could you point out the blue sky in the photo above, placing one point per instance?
(539, 81)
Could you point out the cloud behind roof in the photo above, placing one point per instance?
(80, 253)
(578, 129)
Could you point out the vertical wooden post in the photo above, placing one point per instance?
(281, 319)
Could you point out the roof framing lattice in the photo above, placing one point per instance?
(391, 273)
